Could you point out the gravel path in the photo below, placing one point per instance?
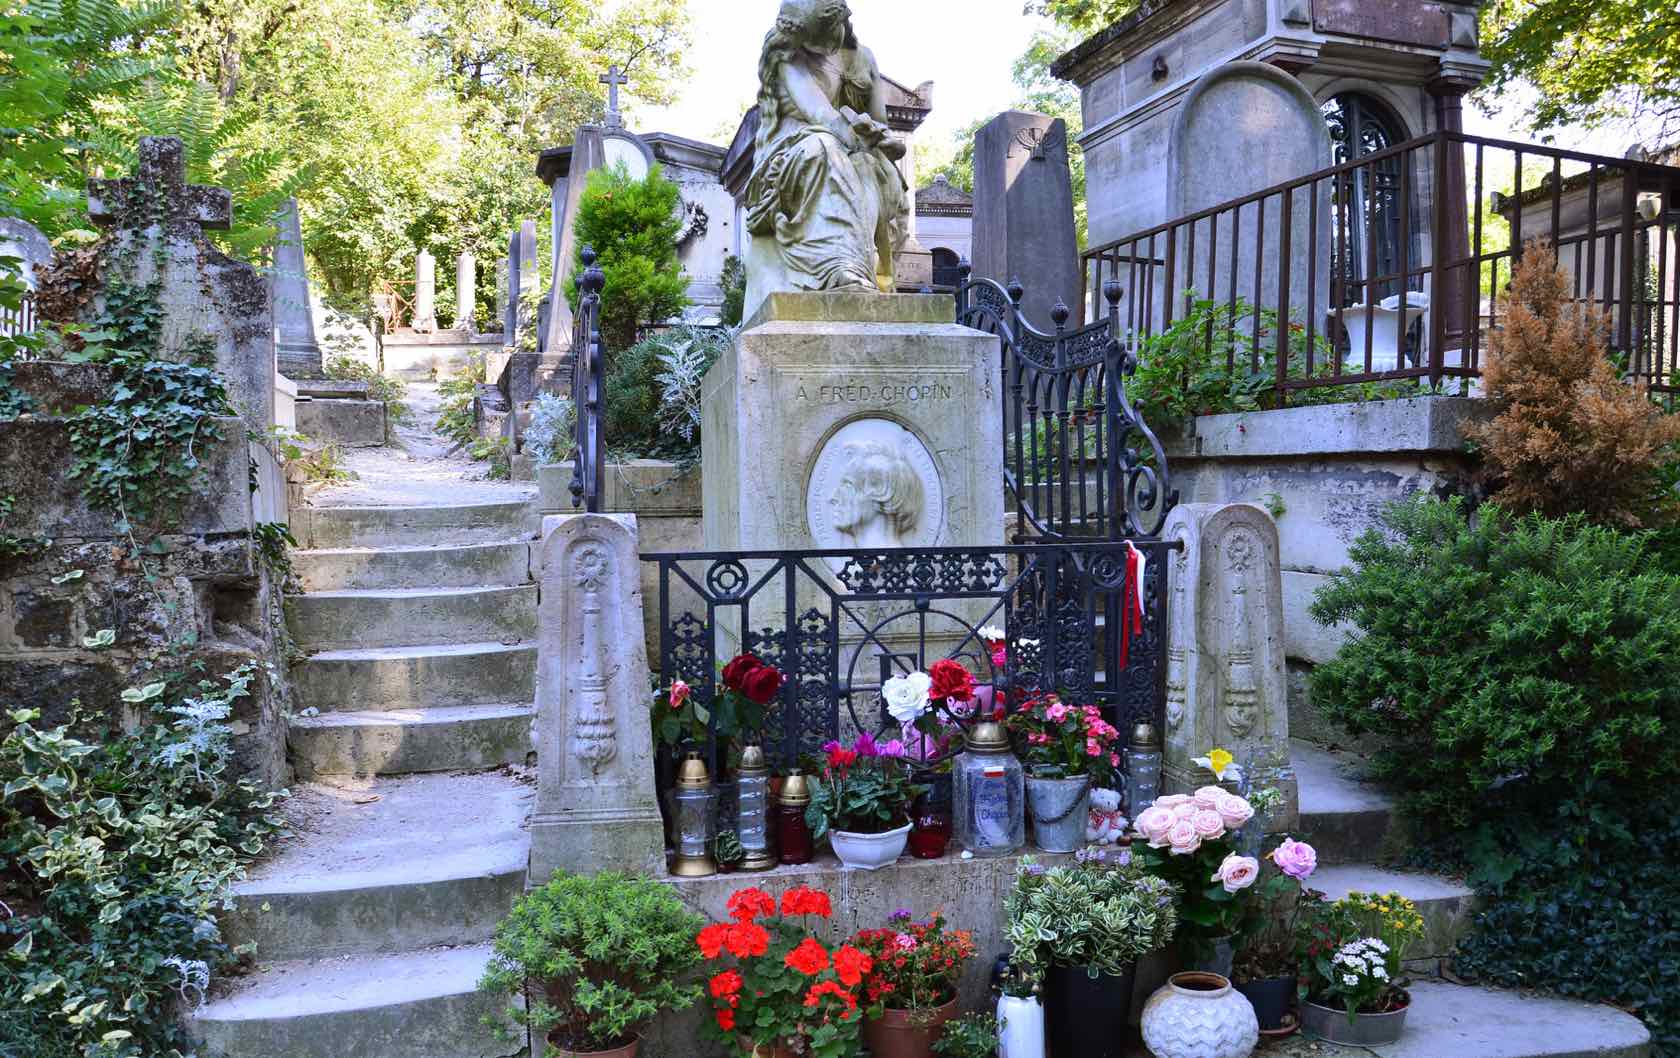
(416, 469)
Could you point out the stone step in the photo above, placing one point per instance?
(1459, 1021)
(422, 1004)
(421, 677)
(1447, 906)
(391, 742)
(387, 865)
(1345, 819)
(472, 523)
(393, 617)
(348, 423)
(448, 566)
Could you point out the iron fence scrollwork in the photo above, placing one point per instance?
(589, 457)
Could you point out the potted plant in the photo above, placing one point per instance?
(1352, 952)
(593, 959)
(911, 989)
(861, 802)
(1066, 749)
(1265, 966)
(1191, 842)
(1081, 930)
(776, 990)
(973, 1035)
(1020, 1014)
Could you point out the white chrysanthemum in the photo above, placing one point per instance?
(1350, 980)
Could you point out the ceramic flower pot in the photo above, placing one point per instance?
(1060, 808)
(629, 1050)
(764, 1050)
(1020, 1027)
(907, 1033)
(1367, 1030)
(1199, 1015)
(1086, 1015)
(869, 852)
(1270, 997)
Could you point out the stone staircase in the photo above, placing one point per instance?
(412, 730)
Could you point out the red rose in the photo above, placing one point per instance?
(950, 680)
(736, 671)
(761, 684)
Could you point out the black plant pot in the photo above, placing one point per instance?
(1087, 1015)
(1270, 998)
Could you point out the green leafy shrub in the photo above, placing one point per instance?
(974, 1035)
(595, 959)
(734, 283)
(1093, 914)
(652, 394)
(114, 856)
(1600, 925)
(455, 410)
(632, 226)
(1504, 661)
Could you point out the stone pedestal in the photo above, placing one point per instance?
(853, 420)
(425, 293)
(295, 348)
(466, 291)
(1226, 685)
(596, 806)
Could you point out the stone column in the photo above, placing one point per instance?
(596, 808)
(297, 353)
(1023, 213)
(425, 293)
(466, 291)
(1226, 685)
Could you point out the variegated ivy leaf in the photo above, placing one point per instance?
(100, 639)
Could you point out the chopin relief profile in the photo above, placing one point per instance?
(826, 204)
(878, 499)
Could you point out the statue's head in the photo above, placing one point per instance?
(824, 24)
(877, 483)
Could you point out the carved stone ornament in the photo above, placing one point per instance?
(594, 742)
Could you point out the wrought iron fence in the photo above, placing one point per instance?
(838, 623)
(1079, 461)
(1388, 267)
(589, 455)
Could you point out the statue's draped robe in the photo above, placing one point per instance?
(837, 215)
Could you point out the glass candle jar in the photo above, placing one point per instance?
(752, 810)
(694, 797)
(1143, 769)
(793, 834)
(988, 794)
(930, 818)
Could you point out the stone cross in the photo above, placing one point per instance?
(160, 183)
(612, 79)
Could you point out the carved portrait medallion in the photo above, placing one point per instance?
(874, 484)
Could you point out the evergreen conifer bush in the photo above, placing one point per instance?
(632, 225)
(595, 959)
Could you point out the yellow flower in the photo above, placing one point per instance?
(1218, 761)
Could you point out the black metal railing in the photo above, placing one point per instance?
(838, 623)
(1079, 461)
(589, 455)
(1388, 267)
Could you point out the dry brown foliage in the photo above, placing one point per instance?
(1571, 434)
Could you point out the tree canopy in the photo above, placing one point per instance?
(398, 124)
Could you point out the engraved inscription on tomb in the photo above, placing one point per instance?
(871, 392)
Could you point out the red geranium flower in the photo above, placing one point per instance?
(950, 680)
(747, 939)
(711, 939)
(735, 673)
(726, 983)
(726, 1019)
(851, 964)
(748, 904)
(806, 901)
(810, 958)
(830, 988)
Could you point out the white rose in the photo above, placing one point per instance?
(991, 633)
(1207, 823)
(1154, 822)
(907, 696)
(1183, 838)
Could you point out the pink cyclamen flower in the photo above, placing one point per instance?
(1295, 858)
(1237, 873)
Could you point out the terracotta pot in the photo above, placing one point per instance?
(780, 1050)
(627, 1051)
(907, 1033)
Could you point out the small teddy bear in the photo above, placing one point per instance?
(1105, 824)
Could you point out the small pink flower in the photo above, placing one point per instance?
(679, 693)
(1114, 760)
(906, 942)
(1056, 713)
(1093, 748)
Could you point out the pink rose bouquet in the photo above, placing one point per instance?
(1190, 840)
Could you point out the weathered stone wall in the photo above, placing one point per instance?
(1324, 473)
